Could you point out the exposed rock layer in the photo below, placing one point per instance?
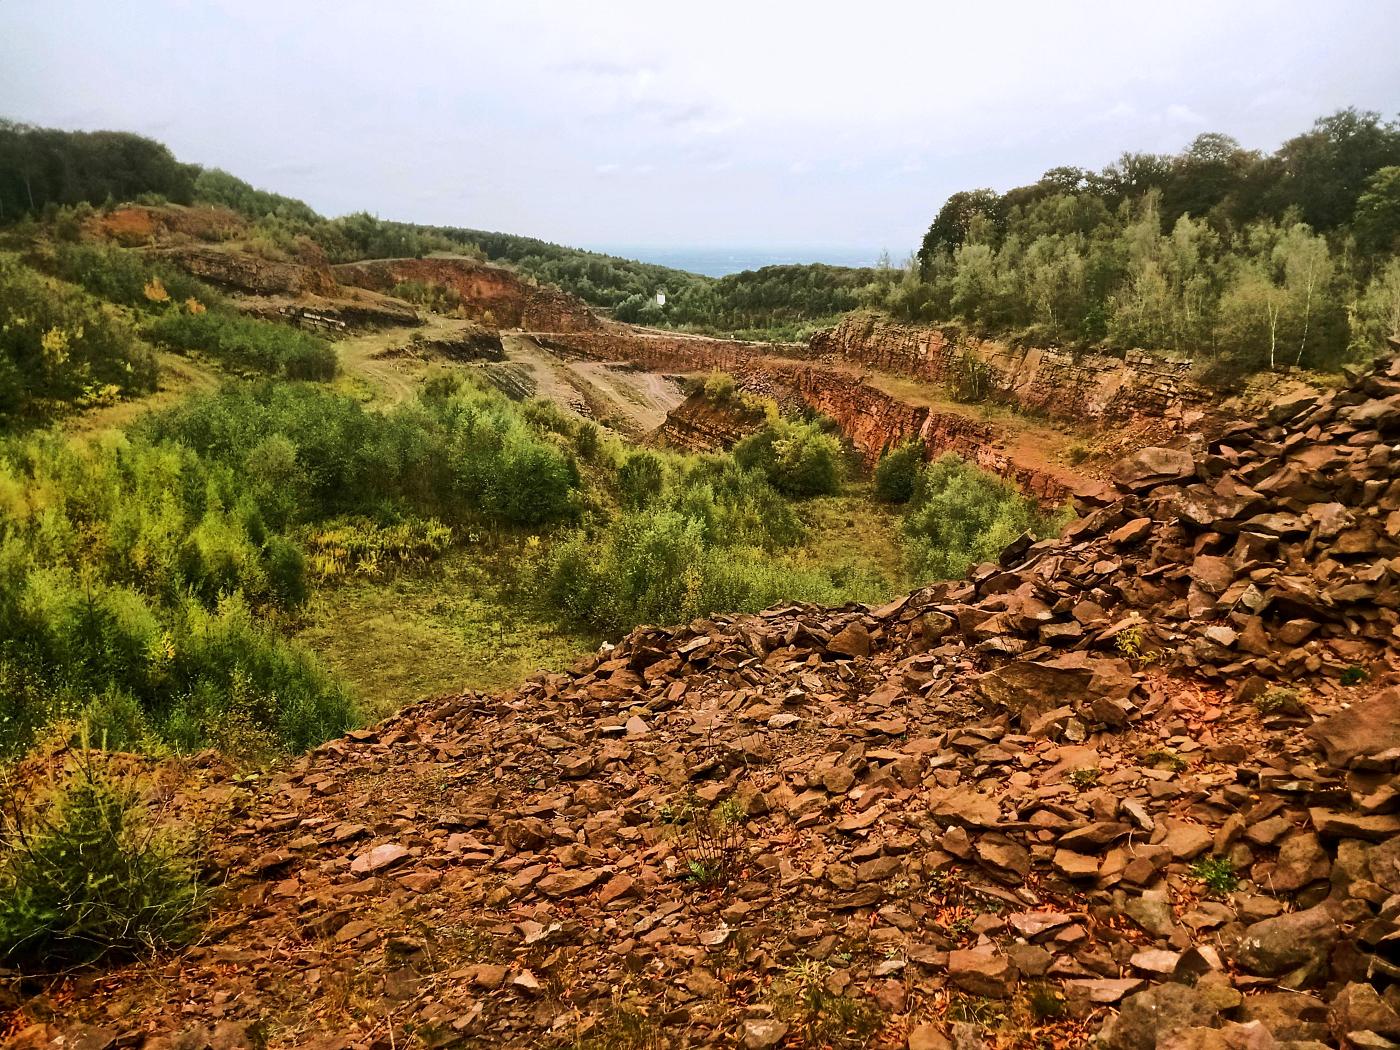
(492, 295)
(1086, 389)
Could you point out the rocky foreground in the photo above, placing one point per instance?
(1134, 787)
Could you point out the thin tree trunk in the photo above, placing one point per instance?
(1307, 320)
(1273, 334)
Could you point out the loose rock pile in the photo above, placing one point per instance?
(1271, 553)
(1136, 787)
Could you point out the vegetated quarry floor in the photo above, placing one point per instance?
(445, 627)
(463, 622)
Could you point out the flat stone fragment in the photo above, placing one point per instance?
(763, 1035)
(380, 858)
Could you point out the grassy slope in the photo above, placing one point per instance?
(451, 626)
(855, 529)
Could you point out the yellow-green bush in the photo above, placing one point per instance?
(59, 347)
(130, 278)
(799, 458)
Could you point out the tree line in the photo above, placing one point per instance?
(45, 170)
(1238, 258)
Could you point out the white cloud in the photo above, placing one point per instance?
(642, 122)
(1183, 116)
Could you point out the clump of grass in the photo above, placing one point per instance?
(987, 1013)
(708, 841)
(823, 1017)
(363, 547)
(1355, 675)
(86, 875)
(1046, 1004)
(1217, 874)
(624, 1026)
(1278, 700)
(1164, 758)
(1083, 778)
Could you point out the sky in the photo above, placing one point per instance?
(760, 123)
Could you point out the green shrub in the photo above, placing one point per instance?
(59, 347)
(86, 876)
(462, 454)
(798, 458)
(120, 275)
(898, 471)
(246, 342)
(719, 387)
(666, 565)
(142, 575)
(641, 478)
(588, 440)
(960, 515)
(428, 294)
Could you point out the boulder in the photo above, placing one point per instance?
(1031, 688)
(853, 640)
(1295, 944)
(1369, 728)
(1150, 1016)
(1150, 466)
(982, 971)
(1358, 1007)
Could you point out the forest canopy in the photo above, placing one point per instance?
(1239, 258)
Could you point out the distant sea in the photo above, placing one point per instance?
(716, 262)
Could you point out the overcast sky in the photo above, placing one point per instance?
(751, 123)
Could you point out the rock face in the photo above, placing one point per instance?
(1085, 388)
(492, 295)
(876, 421)
(246, 272)
(925, 822)
(699, 424)
(473, 343)
(871, 419)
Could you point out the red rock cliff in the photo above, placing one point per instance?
(1089, 388)
(492, 295)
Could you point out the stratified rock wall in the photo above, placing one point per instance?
(700, 424)
(1085, 388)
(871, 419)
(876, 421)
(664, 352)
(245, 272)
(493, 295)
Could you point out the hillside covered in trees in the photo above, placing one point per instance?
(43, 171)
(1241, 259)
